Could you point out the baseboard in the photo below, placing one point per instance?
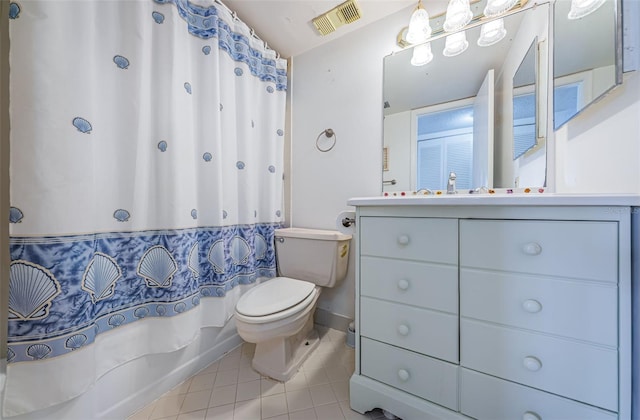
(331, 320)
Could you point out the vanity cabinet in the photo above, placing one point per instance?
(493, 312)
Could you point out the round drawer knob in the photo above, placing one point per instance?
(403, 375)
(530, 415)
(403, 239)
(532, 306)
(403, 329)
(532, 363)
(532, 248)
(403, 284)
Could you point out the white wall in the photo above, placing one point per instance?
(397, 132)
(339, 85)
(599, 150)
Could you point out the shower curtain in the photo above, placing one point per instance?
(146, 183)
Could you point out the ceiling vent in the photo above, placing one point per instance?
(340, 15)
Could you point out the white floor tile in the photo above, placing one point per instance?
(230, 389)
(341, 390)
(298, 381)
(316, 377)
(195, 401)
(226, 377)
(329, 412)
(280, 417)
(309, 414)
(337, 373)
(212, 368)
(183, 388)
(194, 415)
(270, 387)
(350, 414)
(167, 406)
(274, 405)
(246, 374)
(299, 400)
(223, 395)
(223, 412)
(202, 381)
(248, 391)
(322, 394)
(247, 410)
(230, 361)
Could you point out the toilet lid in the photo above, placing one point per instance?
(274, 296)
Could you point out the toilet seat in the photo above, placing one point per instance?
(275, 299)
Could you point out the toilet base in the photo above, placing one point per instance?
(281, 357)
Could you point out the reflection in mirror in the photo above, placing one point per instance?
(524, 104)
(444, 144)
(424, 108)
(586, 62)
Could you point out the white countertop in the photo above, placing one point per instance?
(500, 199)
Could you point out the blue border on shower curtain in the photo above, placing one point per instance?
(205, 23)
(76, 287)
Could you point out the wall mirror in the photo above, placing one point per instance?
(587, 58)
(525, 133)
(455, 113)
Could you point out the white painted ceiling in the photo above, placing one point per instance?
(286, 25)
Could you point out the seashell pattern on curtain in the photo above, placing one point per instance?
(146, 169)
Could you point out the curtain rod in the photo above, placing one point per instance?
(252, 31)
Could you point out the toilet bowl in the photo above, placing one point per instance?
(277, 315)
(279, 332)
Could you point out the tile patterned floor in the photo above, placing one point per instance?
(231, 389)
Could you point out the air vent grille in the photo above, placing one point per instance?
(350, 11)
(323, 25)
(340, 15)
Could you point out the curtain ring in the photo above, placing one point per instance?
(329, 133)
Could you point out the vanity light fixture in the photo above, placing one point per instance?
(455, 44)
(459, 14)
(582, 8)
(419, 28)
(498, 7)
(491, 33)
(421, 54)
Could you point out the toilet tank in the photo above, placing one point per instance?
(316, 256)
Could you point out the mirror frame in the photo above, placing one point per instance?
(618, 62)
(534, 49)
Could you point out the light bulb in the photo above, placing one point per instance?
(582, 8)
(491, 33)
(419, 29)
(421, 54)
(455, 44)
(458, 15)
(497, 7)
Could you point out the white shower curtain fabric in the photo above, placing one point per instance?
(146, 183)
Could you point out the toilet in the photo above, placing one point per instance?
(277, 315)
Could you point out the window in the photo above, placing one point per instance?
(444, 145)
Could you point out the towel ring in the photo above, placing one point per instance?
(328, 133)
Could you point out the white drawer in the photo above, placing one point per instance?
(422, 330)
(578, 309)
(414, 283)
(419, 375)
(583, 250)
(485, 397)
(422, 239)
(579, 371)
